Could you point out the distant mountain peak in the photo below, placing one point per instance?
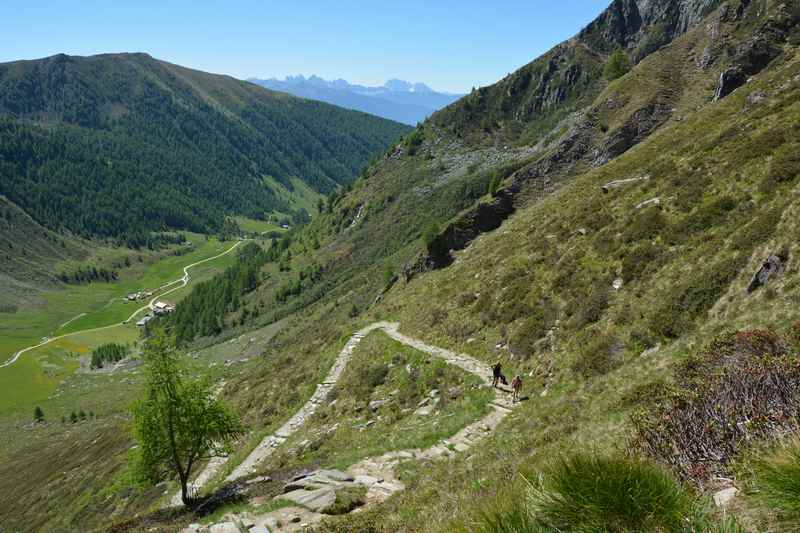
(396, 99)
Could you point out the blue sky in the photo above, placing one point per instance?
(450, 45)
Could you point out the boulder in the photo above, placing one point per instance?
(259, 479)
(320, 479)
(724, 497)
(317, 500)
(756, 97)
(730, 80)
(647, 203)
(771, 266)
(374, 405)
(611, 185)
(224, 527)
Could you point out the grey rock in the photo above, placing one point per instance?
(647, 203)
(224, 527)
(317, 500)
(261, 529)
(611, 185)
(773, 265)
(651, 351)
(374, 405)
(730, 80)
(320, 479)
(724, 497)
(259, 479)
(756, 97)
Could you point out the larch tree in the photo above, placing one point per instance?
(178, 422)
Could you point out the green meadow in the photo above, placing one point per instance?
(37, 373)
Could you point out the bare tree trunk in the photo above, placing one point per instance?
(184, 489)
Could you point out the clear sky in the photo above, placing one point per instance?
(449, 44)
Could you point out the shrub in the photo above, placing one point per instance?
(601, 354)
(494, 184)
(784, 168)
(692, 297)
(594, 493)
(640, 259)
(108, 353)
(524, 337)
(645, 225)
(743, 387)
(757, 231)
(347, 499)
(617, 65)
(702, 219)
(593, 307)
(413, 140)
(777, 480)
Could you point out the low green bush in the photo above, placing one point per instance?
(645, 225)
(702, 219)
(642, 258)
(599, 355)
(693, 296)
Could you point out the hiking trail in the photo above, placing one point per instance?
(375, 473)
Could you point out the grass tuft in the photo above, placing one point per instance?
(587, 492)
(777, 478)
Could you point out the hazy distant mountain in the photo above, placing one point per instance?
(396, 100)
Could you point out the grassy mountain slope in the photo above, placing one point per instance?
(540, 287)
(117, 145)
(596, 298)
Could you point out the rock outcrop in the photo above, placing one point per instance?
(773, 265)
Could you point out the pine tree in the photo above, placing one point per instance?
(38, 414)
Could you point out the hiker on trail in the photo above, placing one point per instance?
(516, 386)
(497, 375)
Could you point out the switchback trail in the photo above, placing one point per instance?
(183, 280)
(375, 472)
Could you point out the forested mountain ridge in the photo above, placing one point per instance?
(119, 145)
